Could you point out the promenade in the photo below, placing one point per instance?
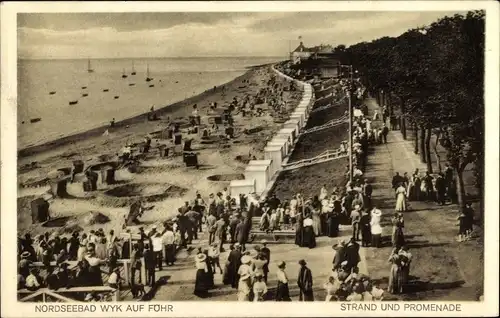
(442, 268)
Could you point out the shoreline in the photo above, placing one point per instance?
(95, 132)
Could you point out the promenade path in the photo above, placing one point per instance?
(442, 269)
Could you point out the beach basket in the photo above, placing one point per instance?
(78, 166)
(39, 210)
(177, 138)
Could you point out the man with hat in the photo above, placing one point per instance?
(305, 282)
(282, 291)
(352, 254)
(150, 264)
(264, 250)
(375, 227)
(234, 260)
(24, 264)
(365, 229)
(355, 219)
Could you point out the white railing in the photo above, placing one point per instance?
(340, 102)
(332, 123)
(323, 157)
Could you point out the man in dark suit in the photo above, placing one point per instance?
(267, 254)
(441, 189)
(150, 263)
(305, 282)
(234, 259)
(240, 234)
(385, 132)
(352, 254)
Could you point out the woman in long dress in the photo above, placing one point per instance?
(309, 238)
(398, 223)
(244, 287)
(299, 231)
(259, 288)
(282, 290)
(316, 218)
(406, 259)
(400, 198)
(395, 275)
(201, 285)
(375, 227)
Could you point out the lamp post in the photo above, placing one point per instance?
(349, 67)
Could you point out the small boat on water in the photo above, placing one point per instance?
(148, 79)
(85, 95)
(116, 97)
(105, 90)
(52, 93)
(73, 102)
(123, 74)
(133, 70)
(131, 84)
(35, 120)
(152, 85)
(89, 68)
(84, 87)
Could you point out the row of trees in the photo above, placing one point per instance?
(434, 78)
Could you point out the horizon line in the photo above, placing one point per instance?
(144, 57)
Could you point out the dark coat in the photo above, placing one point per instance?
(240, 233)
(149, 259)
(305, 282)
(352, 255)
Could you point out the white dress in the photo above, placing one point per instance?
(400, 199)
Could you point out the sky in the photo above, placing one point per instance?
(194, 34)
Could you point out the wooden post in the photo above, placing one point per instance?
(44, 298)
(116, 296)
(126, 273)
(143, 271)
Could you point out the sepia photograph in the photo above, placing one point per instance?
(251, 156)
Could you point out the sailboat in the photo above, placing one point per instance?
(148, 79)
(89, 68)
(133, 70)
(123, 74)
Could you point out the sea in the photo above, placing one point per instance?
(174, 79)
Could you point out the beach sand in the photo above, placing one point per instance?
(214, 159)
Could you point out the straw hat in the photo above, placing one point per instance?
(237, 244)
(356, 207)
(281, 264)
(245, 276)
(263, 242)
(344, 263)
(200, 257)
(245, 259)
(376, 212)
(25, 254)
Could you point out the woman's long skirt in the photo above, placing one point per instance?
(309, 239)
(395, 280)
(299, 233)
(201, 285)
(316, 224)
(226, 278)
(333, 226)
(170, 253)
(398, 238)
(405, 275)
(376, 238)
(401, 202)
(282, 292)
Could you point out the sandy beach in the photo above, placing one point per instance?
(92, 147)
